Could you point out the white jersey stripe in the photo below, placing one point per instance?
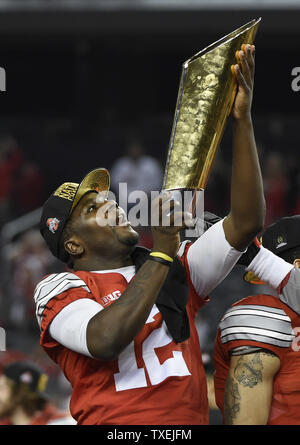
(52, 278)
(258, 307)
(258, 313)
(77, 282)
(45, 281)
(52, 286)
(60, 288)
(41, 307)
(246, 338)
(259, 331)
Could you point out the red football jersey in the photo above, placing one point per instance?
(154, 381)
(263, 321)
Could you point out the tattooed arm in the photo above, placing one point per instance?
(249, 388)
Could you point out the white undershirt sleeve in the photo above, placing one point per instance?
(69, 326)
(269, 267)
(211, 258)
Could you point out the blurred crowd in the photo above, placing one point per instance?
(25, 259)
(19, 177)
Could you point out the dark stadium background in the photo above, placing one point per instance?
(82, 82)
(77, 82)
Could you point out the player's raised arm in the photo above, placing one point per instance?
(215, 253)
(246, 217)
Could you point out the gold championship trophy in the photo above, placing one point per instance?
(206, 94)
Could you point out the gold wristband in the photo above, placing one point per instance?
(163, 256)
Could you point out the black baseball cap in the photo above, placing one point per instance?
(28, 374)
(279, 237)
(59, 206)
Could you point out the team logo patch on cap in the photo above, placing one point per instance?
(52, 224)
(280, 242)
(26, 377)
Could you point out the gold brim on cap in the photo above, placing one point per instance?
(97, 180)
(250, 277)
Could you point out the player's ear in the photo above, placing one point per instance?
(73, 246)
(296, 263)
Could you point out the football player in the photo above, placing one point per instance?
(121, 324)
(256, 351)
(23, 397)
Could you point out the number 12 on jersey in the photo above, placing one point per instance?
(131, 377)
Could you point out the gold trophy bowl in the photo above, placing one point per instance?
(206, 94)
